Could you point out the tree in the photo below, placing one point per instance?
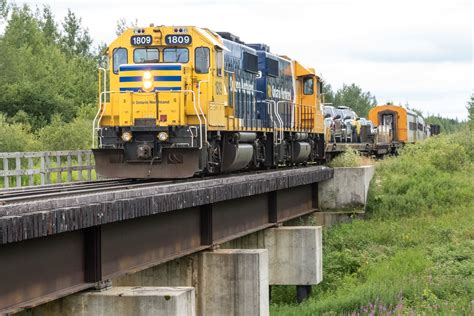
(36, 75)
(75, 39)
(470, 109)
(353, 97)
(328, 94)
(48, 25)
(122, 25)
(3, 10)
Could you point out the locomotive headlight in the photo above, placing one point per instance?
(127, 136)
(147, 85)
(162, 136)
(146, 75)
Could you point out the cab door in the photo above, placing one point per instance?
(218, 91)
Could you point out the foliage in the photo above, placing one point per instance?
(328, 94)
(470, 109)
(353, 96)
(16, 136)
(44, 70)
(425, 170)
(349, 158)
(448, 125)
(74, 135)
(414, 254)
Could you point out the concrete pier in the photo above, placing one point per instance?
(347, 189)
(233, 282)
(295, 255)
(123, 301)
(227, 282)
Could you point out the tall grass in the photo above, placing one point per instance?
(414, 255)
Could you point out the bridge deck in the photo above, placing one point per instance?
(51, 247)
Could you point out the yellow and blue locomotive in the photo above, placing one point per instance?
(181, 101)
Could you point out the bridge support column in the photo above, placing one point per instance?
(233, 282)
(295, 255)
(123, 301)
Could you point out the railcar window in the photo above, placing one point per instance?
(219, 61)
(412, 126)
(175, 55)
(308, 86)
(201, 57)
(119, 58)
(146, 55)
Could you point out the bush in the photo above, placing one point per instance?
(75, 135)
(431, 176)
(414, 254)
(349, 158)
(16, 137)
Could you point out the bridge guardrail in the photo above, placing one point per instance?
(19, 169)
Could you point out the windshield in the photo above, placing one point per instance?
(175, 55)
(146, 55)
(348, 114)
(328, 110)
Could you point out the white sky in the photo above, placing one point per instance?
(415, 51)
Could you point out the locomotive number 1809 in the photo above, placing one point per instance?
(141, 40)
(178, 39)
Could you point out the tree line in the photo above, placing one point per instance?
(48, 81)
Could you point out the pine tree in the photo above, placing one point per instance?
(470, 109)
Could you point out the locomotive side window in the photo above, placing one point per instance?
(119, 58)
(219, 61)
(308, 86)
(201, 57)
(146, 55)
(272, 67)
(250, 63)
(175, 55)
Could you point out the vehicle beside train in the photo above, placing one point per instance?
(182, 101)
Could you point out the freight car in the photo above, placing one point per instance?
(185, 100)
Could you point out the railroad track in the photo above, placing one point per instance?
(52, 191)
(26, 194)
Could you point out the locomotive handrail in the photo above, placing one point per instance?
(196, 110)
(279, 117)
(269, 108)
(200, 109)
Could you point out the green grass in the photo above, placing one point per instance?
(414, 255)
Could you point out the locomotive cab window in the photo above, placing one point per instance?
(176, 55)
(219, 61)
(119, 58)
(308, 85)
(201, 60)
(146, 55)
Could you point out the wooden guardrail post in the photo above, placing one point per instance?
(29, 165)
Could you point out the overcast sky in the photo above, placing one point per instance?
(405, 51)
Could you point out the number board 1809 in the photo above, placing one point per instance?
(137, 40)
(178, 39)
